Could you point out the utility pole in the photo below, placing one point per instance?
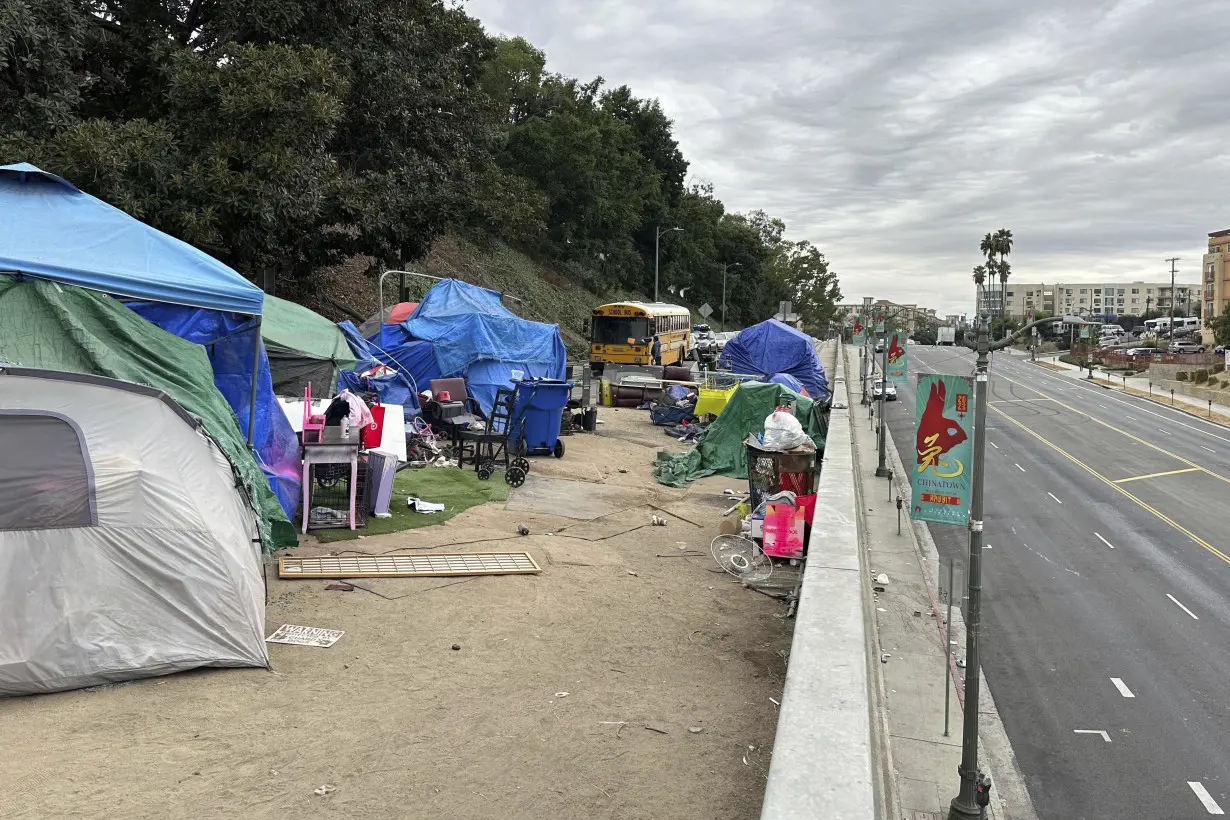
(1172, 260)
(725, 267)
(975, 787)
(883, 471)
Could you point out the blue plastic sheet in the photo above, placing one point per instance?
(54, 231)
(786, 380)
(773, 347)
(392, 388)
(463, 330)
(228, 340)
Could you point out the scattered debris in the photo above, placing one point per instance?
(656, 729)
(728, 491)
(321, 791)
(341, 587)
(884, 657)
(918, 613)
(523, 530)
(882, 579)
(657, 521)
(424, 507)
(633, 574)
(305, 636)
(960, 663)
(775, 702)
(881, 609)
(403, 566)
(456, 647)
(622, 470)
(562, 694)
(696, 730)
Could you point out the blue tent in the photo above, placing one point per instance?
(106, 249)
(463, 330)
(773, 347)
(49, 229)
(392, 388)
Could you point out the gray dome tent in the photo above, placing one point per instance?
(126, 549)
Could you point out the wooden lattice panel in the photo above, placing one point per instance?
(408, 566)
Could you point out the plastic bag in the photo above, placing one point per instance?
(782, 431)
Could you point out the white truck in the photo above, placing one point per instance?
(946, 336)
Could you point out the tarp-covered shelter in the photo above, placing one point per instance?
(722, 451)
(126, 548)
(66, 328)
(303, 347)
(460, 329)
(774, 347)
(391, 315)
(52, 231)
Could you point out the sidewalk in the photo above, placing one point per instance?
(1141, 386)
(908, 683)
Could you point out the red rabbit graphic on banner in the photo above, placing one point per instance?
(937, 434)
(895, 350)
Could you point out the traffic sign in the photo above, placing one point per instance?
(705, 310)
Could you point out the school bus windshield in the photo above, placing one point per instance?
(617, 330)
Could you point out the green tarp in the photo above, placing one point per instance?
(303, 347)
(66, 328)
(722, 451)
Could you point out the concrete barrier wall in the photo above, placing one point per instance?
(822, 765)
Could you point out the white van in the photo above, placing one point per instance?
(1111, 332)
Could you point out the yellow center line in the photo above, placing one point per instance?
(1205, 544)
(1109, 426)
(1157, 475)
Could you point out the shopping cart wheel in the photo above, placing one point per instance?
(558, 452)
(521, 447)
(514, 476)
(522, 464)
(486, 470)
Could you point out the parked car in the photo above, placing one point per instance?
(888, 389)
(725, 336)
(1141, 351)
(1186, 347)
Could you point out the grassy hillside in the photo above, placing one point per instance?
(546, 294)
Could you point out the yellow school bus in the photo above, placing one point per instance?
(623, 333)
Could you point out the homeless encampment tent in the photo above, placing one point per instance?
(391, 315)
(460, 329)
(722, 451)
(774, 347)
(303, 347)
(52, 231)
(127, 548)
(60, 327)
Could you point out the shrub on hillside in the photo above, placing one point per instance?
(1181, 375)
(1202, 376)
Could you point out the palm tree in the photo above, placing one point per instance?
(980, 275)
(998, 244)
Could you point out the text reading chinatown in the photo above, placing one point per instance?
(941, 478)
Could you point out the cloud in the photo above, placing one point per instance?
(894, 135)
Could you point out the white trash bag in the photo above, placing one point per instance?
(782, 431)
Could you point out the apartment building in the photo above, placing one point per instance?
(906, 317)
(1119, 298)
(1215, 269)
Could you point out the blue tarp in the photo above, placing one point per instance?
(773, 347)
(50, 229)
(393, 388)
(463, 330)
(227, 339)
(786, 380)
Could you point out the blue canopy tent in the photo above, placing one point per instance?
(49, 229)
(460, 329)
(773, 347)
(392, 388)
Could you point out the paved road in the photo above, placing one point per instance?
(1107, 591)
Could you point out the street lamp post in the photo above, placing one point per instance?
(975, 786)
(725, 267)
(657, 236)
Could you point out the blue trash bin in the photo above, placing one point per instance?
(536, 417)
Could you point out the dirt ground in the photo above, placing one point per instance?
(402, 726)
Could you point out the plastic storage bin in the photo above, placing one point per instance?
(536, 417)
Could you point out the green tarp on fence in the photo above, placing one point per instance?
(66, 328)
(722, 451)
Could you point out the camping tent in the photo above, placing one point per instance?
(773, 347)
(61, 327)
(50, 230)
(303, 347)
(460, 329)
(126, 549)
(392, 315)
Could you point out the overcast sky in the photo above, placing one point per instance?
(894, 135)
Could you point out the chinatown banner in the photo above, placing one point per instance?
(880, 323)
(898, 357)
(860, 332)
(941, 476)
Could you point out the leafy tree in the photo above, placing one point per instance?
(1220, 326)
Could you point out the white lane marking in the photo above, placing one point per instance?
(1104, 541)
(1210, 449)
(1019, 467)
(1122, 687)
(1202, 794)
(1103, 406)
(1163, 432)
(1049, 561)
(1185, 609)
(1101, 732)
(1052, 495)
(993, 444)
(1130, 418)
